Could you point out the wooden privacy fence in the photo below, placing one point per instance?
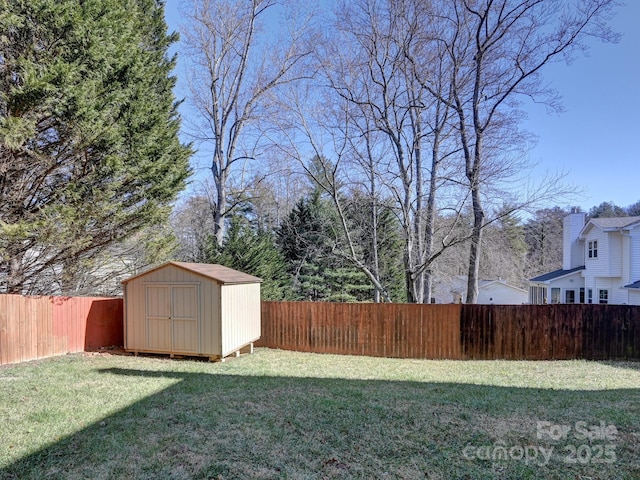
(40, 327)
(513, 332)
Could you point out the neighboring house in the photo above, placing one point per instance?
(496, 292)
(600, 263)
(500, 292)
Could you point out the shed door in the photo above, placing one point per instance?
(159, 317)
(184, 317)
(172, 318)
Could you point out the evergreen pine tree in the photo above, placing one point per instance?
(254, 252)
(309, 241)
(89, 147)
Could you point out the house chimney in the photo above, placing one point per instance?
(572, 250)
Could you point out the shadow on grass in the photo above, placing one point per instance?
(229, 426)
(623, 364)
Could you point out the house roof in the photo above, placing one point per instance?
(487, 283)
(611, 223)
(555, 275)
(633, 285)
(220, 273)
(462, 287)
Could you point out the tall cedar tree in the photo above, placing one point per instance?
(89, 147)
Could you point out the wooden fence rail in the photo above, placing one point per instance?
(513, 332)
(40, 327)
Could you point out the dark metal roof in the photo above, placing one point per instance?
(633, 285)
(556, 274)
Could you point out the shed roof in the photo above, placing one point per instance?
(555, 274)
(219, 273)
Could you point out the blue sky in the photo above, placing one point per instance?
(594, 140)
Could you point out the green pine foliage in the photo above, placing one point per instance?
(310, 283)
(89, 147)
(252, 251)
(389, 242)
(309, 241)
(347, 284)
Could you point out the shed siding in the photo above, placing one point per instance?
(210, 324)
(241, 310)
(185, 333)
(175, 310)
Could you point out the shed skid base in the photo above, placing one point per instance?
(212, 358)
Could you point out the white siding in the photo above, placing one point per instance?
(599, 266)
(501, 294)
(241, 314)
(211, 340)
(634, 254)
(612, 285)
(572, 252)
(615, 254)
(634, 297)
(626, 260)
(570, 282)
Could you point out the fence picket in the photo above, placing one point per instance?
(40, 327)
(481, 332)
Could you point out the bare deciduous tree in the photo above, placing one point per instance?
(497, 50)
(238, 59)
(412, 129)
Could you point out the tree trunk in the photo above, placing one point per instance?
(220, 208)
(473, 175)
(476, 244)
(15, 284)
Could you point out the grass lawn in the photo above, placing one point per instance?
(280, 414)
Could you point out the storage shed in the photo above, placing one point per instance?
(191, 309)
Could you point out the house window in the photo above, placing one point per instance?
(582, 295)
(537, 295)
(570, 296)
(593, 249)
(603, 296)
(555, 295)
(590, 296)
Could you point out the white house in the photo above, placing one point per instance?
(497, 292)
(600, 263)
